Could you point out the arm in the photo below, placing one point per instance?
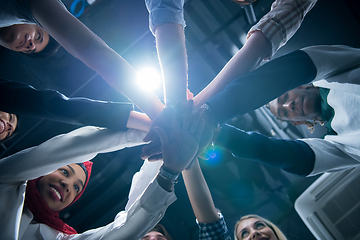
(199, 195)
(170, 43)
(139, 121)
(212, 226)
(282, 22)
(263, 40)
(257, 88)
(256, 48)
(23, 99)
(76, 38)
(147, 201)
(146, 211)
(166, 21)
(293, 156)
(80, 145)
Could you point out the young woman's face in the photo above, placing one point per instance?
(59, 189)
(254, 229)
(26, 38)
(8, 123)
(153, 236)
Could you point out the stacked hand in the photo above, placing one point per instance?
(163, 120)
(180, 144)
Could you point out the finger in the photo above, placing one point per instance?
(187, 118)
(151, 145)
(150, 135)
(199, 130)
(149, 151)
(155, 158)
(195, 123)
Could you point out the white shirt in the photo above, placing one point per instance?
(144, 212)
(338, 69)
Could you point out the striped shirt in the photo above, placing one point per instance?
(282, 22)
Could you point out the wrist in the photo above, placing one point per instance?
(166, 179)
(169, 174)
(165, 183)
(209, 115)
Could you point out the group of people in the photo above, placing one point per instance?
(307, 86)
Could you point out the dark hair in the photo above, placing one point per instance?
(84, 169)
(51, 48)
(161, 229)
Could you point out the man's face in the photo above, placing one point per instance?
(153, 236)
(59, 189)
(8, 123)
(26, 38)
(297, 105)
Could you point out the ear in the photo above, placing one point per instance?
(295, 123)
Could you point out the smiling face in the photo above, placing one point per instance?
(8, 123)
(26, 38)
(59, 189)
(154, 236)
(298, 105)
(254, 229)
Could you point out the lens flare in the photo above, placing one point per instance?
(148, 79)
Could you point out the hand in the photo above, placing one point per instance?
(163, 120)
(181, 145)
(207, 136)
(208, 132)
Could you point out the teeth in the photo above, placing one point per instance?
(56, 192)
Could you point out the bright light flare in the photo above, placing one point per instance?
(148, 79)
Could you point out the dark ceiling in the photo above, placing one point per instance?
(215, 30)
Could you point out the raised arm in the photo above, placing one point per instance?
(264, 39)
(81, 42)
(259, 87)
(256, 48)
(23, 99)
(211, 224)
(199, 195)
(166, 21)
(80, 145)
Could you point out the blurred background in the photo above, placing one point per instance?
(216, 30)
